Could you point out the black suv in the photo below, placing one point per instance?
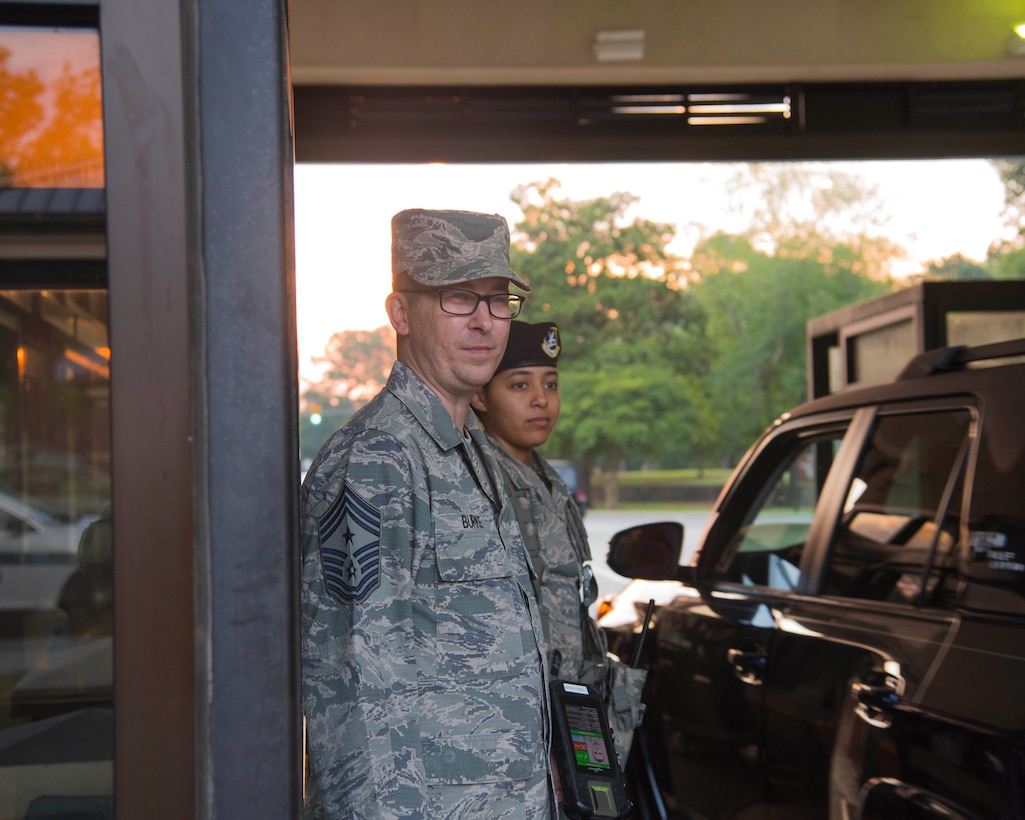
(848, 641)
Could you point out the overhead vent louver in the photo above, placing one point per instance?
(754, 122)
(975, 107)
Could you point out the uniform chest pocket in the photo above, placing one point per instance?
(479, 611)
(470, 555)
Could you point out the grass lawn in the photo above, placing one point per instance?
(710, 477)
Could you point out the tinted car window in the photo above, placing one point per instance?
(900, 520)
(766, 549)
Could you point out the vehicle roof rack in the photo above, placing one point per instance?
(960, 357)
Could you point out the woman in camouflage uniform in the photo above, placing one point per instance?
(518, 409)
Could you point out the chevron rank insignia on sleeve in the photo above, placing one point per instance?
(350, 547)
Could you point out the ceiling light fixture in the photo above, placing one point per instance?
(726, 120)
(744, 108)
(1016, 41)
(648, 98)
(619, 45)
(649, 109)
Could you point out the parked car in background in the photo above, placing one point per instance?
(64, 485)
(38, 554)
(848, 640)
(568, 471)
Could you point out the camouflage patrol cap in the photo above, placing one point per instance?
(438, 248)
(531, 345)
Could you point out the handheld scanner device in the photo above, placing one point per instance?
(592, 780)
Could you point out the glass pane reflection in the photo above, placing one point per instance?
(51, 128)
(56, 661)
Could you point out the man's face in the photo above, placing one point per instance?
(520, 407)
(455, 355)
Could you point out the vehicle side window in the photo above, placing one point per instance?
(766, 550)
(899, 526)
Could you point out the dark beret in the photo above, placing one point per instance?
(531, 345)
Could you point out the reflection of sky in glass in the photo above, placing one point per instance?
(51, 129)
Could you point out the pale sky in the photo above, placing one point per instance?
(936, 208)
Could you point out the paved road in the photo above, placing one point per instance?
(603, 524)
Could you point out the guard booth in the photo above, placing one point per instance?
(869, 342)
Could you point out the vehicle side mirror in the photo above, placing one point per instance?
(648, 551)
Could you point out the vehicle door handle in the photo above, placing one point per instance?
(875, 702)
(749, 664)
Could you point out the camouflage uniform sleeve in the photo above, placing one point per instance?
(359, 664)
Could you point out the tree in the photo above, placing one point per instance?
(20, 112)
(624, 414)
(805, 209)
(69, 146)
(593, 270)
(668, 361)
(1006, 258)
(356, 367)
(758, 306)
(957, 267)
(357, 364)
(42, 140)
(1012, 174)
(812, 246)
(619, 298)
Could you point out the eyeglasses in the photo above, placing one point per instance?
(465, 302)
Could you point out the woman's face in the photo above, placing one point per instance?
(519, 407)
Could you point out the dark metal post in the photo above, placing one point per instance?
(204, 427)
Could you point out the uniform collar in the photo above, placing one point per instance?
(425, 406)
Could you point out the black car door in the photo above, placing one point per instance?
(706, 696)
(848, 662)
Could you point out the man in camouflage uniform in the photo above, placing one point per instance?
(518, 409)
(424, 686)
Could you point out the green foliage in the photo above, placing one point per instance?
(592, 271)
(626, 414)
(1006, 257)
(758, 307)
(956, 267)
(802, 209)
(1006, 261)
(1012, 174)
(687, 477)
(632, 334)
(671, 362)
